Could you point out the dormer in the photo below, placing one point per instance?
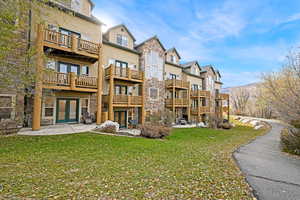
(192, 68)
(121, 36)
(83, 7)
(172, 56)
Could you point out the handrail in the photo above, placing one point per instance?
(176, 83)
(88, 46)
(64, 79)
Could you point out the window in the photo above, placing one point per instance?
(6, 106)
(154, 65)
(173, 76)
(122, 40)
(51, 65)
(68, 67)
(48, 107)
(85, 70)
(173, 60)
(195, 87)
(153, 93)
(121, 90)
(84, 106)
(194, 103)
(76, 5)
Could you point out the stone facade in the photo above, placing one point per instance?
(152, 61)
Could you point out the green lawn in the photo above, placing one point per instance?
(191, 163)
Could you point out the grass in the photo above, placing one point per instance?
(189, 164)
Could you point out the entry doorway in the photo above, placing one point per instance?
(67, 110)
(121, 118)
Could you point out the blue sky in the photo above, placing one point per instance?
(240, 38)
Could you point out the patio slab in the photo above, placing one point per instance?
(59, 129)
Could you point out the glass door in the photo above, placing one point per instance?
(67, 110)
(121, 68)
(121, 118)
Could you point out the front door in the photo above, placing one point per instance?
(121, 118)
(67, 110)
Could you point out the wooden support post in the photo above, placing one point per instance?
(199, 110)
(111, 93)
(143, 100)
(129, 73)
(189, 102)
(74, 43)
(38, 91)
(99, 86)
(228, 114)
(72, 80)
(173, 100)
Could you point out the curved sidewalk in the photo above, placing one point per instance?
(271, 173)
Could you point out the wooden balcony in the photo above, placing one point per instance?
(222, 96)
(200, 110)
(124, 100)
(200, 93)
(69, 81)
(179, 84)
(71, 44)
(124, 74)
(178, 102)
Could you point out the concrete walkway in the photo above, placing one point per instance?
(59, 129)
(271, 173)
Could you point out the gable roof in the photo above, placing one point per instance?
(190, 64)
(118, 26)
(209, 67)
(152, 38)
(174, 49)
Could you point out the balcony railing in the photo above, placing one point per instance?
(177, 102)
(124, 100)
(200, 93)
(222, 96)
(200, 110)
(72, 42)
(177, 83)
(124, 73)
(69, 79)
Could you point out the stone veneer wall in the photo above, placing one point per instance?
(158, 104)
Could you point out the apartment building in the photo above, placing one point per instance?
(123, 91)
(68, 66)
(79, 70)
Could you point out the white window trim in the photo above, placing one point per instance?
(13, 104)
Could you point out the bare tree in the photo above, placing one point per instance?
(17, 54)
(282, 89)
(239, 98)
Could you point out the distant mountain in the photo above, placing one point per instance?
(251, 86)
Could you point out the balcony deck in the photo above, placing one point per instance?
(179, 102)
(179, 84)
(200, 93)
(222, 96)
(124, 74)
(69, 81)
(200, 110)
(124, 100)
(71, 44)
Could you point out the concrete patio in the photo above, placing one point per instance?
(58, 129)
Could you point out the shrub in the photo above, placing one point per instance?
(290, 140)
(295, 123)
(154, 131)
(164, 117)
(214, 122)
